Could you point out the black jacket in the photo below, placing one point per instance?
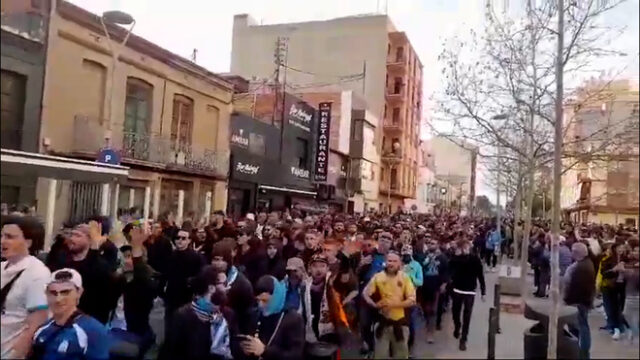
(276, 267)
(138, 294)
(190, 338)
(241, 299)
(288, 341)
(466, 271)
(580, 286)
(158, 257)
(183, 265)
(98, 284)
(254, 263)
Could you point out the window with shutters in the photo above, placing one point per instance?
(12, 104)
(181, 123)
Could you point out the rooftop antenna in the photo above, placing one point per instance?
(194, 54)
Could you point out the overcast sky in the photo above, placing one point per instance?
(206, 25)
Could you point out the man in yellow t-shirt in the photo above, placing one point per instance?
(393, 292)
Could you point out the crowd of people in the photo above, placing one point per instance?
(284, 285)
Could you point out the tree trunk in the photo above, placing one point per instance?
(516, 214)
(530, 188)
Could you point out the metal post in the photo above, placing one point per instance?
(147, 201)
(496, 305)
(557, 187)
(114, 202)
(132, 197)
(491, 342)
(104, 200)
(156, 201)
(207, 206)
(180, 207)
(49, 213)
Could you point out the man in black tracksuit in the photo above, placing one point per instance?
(467, 271)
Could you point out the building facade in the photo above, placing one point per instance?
(455, 167)
(353, 156)
(600, 183)
(365, 54)
(164, 117)
(281, 153)
(23, 32)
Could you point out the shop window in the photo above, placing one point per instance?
(302, 152)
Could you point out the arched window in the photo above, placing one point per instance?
(138, 105)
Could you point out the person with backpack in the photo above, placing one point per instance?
(24, 305)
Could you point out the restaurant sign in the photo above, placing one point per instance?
(322, 145)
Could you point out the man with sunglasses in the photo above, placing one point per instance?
(69, 334)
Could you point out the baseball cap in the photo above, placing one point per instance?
(250, 216)
(66, 275)
(319, 258)
(294, 263)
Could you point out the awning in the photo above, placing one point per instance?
(28, 164)
(295, 191)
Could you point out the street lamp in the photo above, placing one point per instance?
(119, 18)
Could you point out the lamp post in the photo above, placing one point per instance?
(118, 18)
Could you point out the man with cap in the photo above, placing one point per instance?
(69, 334)
(295, 282)
(324, 316)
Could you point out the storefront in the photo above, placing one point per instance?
(258, 178)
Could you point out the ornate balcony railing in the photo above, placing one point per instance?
(148, 149)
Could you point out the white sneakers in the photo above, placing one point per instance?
(616, 334)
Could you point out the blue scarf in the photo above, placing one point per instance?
(219, 329)
(276, 303)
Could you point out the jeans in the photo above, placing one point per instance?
(128, 345)
(613, 304)
(491, 258)
(631, 310)
(367, 317)
(460, 300)
(388, 340)
(414, 322)
(584, 338)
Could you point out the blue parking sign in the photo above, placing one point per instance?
(109, 156)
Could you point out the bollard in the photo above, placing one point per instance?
(496, 305)
(491, 342)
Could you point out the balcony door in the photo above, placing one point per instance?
(137, 119)
(181, 123)
(12, 119)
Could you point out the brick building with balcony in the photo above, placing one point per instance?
(365, 54)
(167, 119)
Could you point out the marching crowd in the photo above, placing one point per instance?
(284, 285)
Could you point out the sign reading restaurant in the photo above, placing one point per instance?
(322, 145)
(301, 116)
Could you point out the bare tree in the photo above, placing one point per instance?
(503, 94)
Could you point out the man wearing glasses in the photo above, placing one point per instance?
(69, 334)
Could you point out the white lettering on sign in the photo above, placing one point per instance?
(301, 173)
(300, 118)
(247, 168)
(240, 139)
(322, 144)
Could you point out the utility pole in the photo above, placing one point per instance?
(280, 59)
(498, 192)
(557, 187)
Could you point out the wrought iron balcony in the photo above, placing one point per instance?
(144, 149)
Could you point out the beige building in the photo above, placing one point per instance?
(167, 119)
(365, 54)
(455, 169)
(601, 154)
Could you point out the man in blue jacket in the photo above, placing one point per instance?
(494, 240)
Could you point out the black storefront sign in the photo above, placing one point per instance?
(239, 138)
(300, 115)
(322, 144)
